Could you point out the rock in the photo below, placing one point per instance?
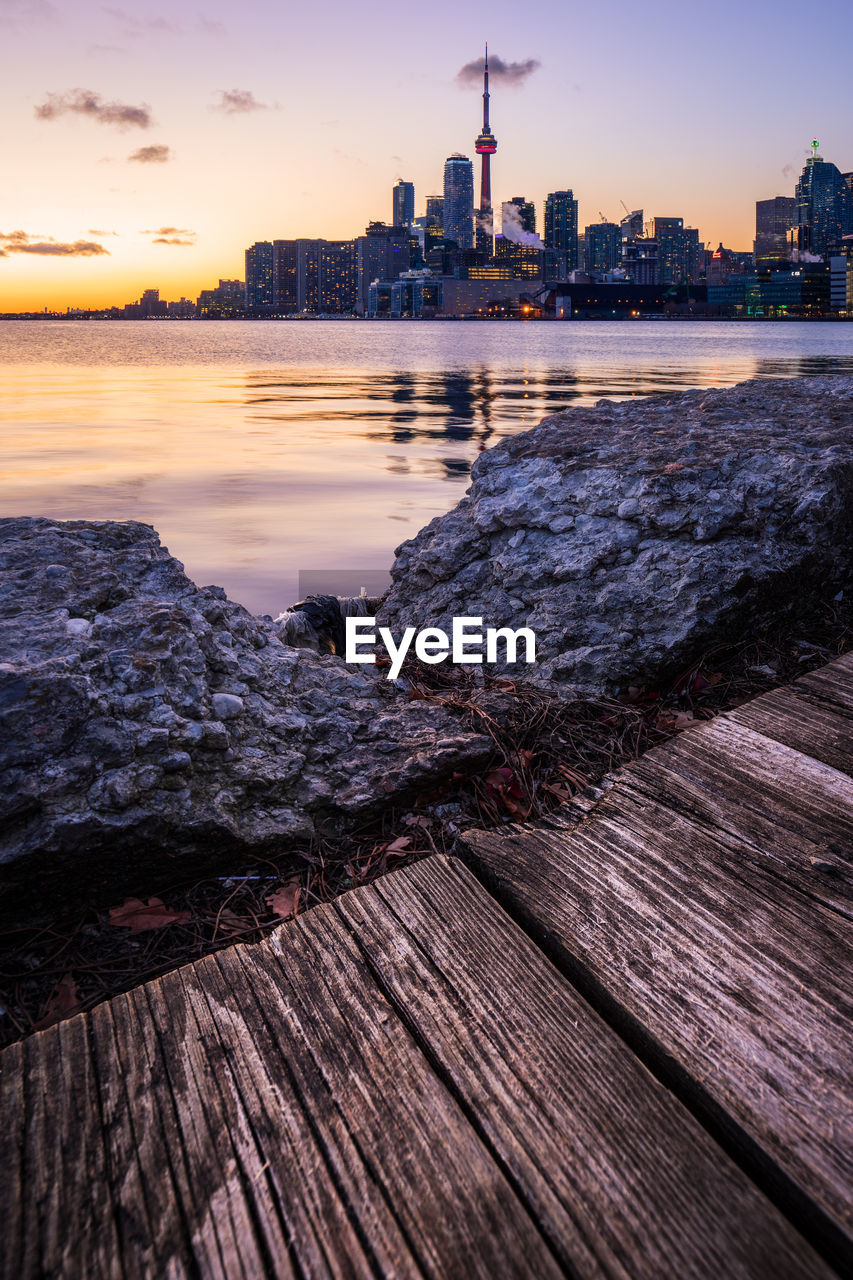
(630, 535)
(144, 720)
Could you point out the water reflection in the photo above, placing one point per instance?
(260, 450)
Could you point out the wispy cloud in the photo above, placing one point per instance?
(23, 242)
(155, 154)
(133, 26)
(180, 236)
(235, 102)
(20, 13)
(512, 74)
(83, 102)
(92, 232)
(210, 26)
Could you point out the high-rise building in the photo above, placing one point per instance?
(403, 204)
(485, 146)
(285, 276)
(677, 250)
(602, 247)
(824, 207)
(259, 286)
(459, 200)
(435, 211)
(640, 260)
(561, 231)
(526, 212)
(632, 225)
(381, 254)
(774, 221)
(522, 260)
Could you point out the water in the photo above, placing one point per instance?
(258, 450)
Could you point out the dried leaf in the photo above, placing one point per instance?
(137, 916)
(398, 845)
(63, 1000)
(285, 901)
(674, 721)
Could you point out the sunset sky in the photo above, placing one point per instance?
(145, 147)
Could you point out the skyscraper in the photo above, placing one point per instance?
(403, 195)
(824, 206)
(526, 212)
(259, 286)
(459, 200)
(435, 211)
(485, 146)
(677, 250)
(602, 247)
(381, 254)
(774, 220)
(561, 230)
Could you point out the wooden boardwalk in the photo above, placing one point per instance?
(621, 1048)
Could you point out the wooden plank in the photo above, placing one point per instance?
(801, 721)
(619, 1175)
(759, 797)
(714, 969)
(12, 1164)
(400, 1143)
(834, 682)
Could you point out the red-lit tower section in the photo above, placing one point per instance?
(486, 146)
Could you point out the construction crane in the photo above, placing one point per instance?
(625, 207)
(602, 217)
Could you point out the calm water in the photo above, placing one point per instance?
(258, 450)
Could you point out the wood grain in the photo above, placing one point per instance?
(618, 1174)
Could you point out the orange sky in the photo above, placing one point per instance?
(674, 113)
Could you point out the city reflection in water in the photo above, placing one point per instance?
(258, 451)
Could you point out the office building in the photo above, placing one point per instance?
(677, 250)
(403, 204)
(561, 232)
(259, 278)
(774, 222)
(226, 302)
(632, 225)
(824, 207)
(435, 211)
(382, 253)
(459, 200)
(285, 276)
(524, 261)
(602, 247)
(640, 260)
(525, 212)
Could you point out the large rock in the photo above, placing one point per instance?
(143, 719)
(628, 536)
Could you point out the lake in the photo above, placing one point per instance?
(259, 450)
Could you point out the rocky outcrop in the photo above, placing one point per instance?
(630, 535)
(143, 719)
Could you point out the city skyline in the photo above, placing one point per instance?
(163, 170)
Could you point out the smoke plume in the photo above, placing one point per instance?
(83, 102)
(512, 74)
(513, 230)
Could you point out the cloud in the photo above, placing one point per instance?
(180, 236)
(237, 102)
(83, 102)
(133, 26)
(156, 154)
(22, 242)
(91, 232)
(20, 13)
(512, 74)
(210, 26)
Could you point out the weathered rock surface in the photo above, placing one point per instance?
(144, 718)
(629, 535)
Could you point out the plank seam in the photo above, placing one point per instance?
(446, 1080)
(807, 1217)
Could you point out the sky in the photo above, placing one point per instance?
(146, 146)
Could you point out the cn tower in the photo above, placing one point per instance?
(485, 146)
